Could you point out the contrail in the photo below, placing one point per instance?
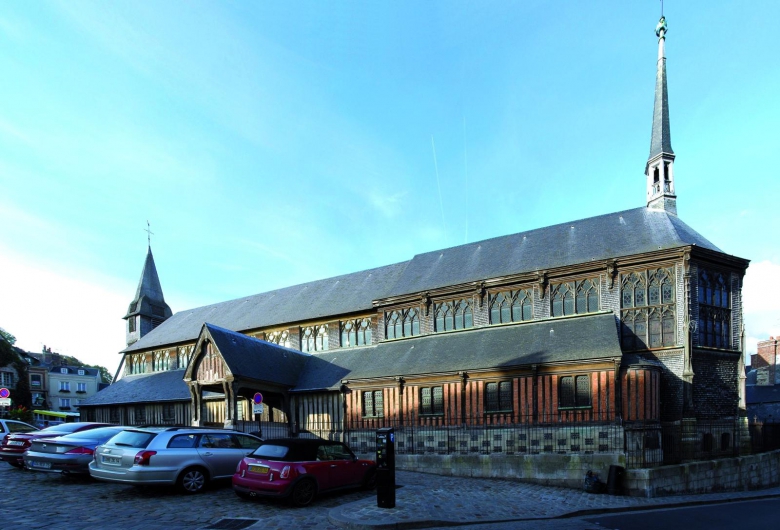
(466, 187)
(438, 184)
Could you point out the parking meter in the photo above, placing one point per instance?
(385, 468)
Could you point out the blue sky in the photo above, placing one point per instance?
(273, 143)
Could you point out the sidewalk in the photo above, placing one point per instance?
(424, 501)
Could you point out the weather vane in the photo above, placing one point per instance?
(149, 233)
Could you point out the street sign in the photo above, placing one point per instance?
(5, 393)
(257, 399)
(5, 402)
(257, 408)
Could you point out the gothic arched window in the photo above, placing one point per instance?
(577, 297)
(511, 306)
(356, 332)
(648, 309)
(402, 323)
(714, 310)
(455, 314)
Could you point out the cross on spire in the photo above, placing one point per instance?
(149, 233)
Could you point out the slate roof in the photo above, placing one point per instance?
(258, 359)
(149, 292)
(613, 235)
(143, 388)
(75, 370)
(755, 394)
(580, 338)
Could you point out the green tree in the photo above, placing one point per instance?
(9, 356)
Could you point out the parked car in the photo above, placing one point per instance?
(299, 469)
(12, 426)
(13, 447)
(183, 456)
(70, 453)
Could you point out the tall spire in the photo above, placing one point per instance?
(148, 309)
(659, 169)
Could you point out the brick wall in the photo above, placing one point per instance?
(715, 384)
(766, 356)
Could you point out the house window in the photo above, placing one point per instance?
(131, 325)
(81, 372)
(402, 323)
(63, 370)
(511, 306)
(432, 400)
(355, 332)
(455, 314)
(498, 397)
(373, 403)
(81, 388)
(314, 338)
(574, 298)
(574, 391)
(714, 310)
(7, 379)
(37, 399)
(64, 386)
(169, 412)
(282, 338)
(64, 403)
(140, 414)
(36, 381)
(648, 318)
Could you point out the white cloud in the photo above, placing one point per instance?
(70, 315)
(761, 297)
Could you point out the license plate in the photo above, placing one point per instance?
(14, 442)
(39, 465)
(263, 470)
(111, 460)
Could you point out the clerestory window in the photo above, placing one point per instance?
(402, 323)
(511, 306)
(454, 314)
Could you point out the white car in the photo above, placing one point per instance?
(186, 457)
(11, 426)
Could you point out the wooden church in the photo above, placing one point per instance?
(626, 318)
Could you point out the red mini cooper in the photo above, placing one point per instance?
(299, 469)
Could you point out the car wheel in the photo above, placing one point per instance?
(193, 480)
(369, 483)
(303, 493)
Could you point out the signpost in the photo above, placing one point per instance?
(257, 403)
(5, 397)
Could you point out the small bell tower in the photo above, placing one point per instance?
(148, 309)
(659, 170)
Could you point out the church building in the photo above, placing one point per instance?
(627, 318)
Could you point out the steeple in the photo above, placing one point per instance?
(148, 309)
(659, 170)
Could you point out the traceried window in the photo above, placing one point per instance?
(138, 364)
(511, 306)
(282, 338)
(648, 317)
(161, 361)
(714, 310)
(314, 338)
(183, 356)
(355, 332)
(454, 314)
(578, 297)
(432, 401)
(574, 391)
(402, 323)
(498, 397)
(373, 403)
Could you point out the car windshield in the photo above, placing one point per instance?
(138, 439)
(270, 451)
(101, 433)
(65, 428)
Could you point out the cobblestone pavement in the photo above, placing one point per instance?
(41, 500)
